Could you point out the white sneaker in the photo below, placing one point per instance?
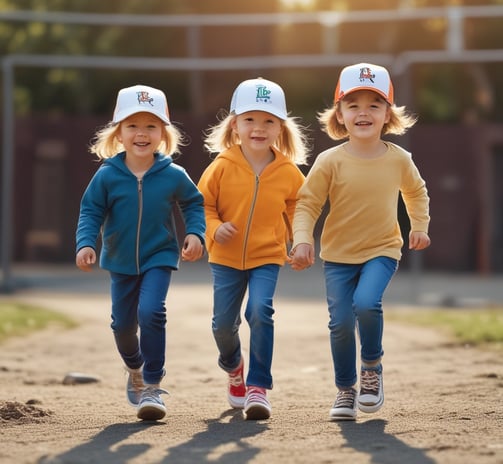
(344, 407)
(151, 406)
(257, 406)
(371, 396)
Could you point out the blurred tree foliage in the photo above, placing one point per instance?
(441, 93)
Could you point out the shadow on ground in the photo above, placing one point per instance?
(224, 441)
(370, 438)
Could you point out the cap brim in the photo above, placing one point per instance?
(373, 89)
(245, 109)
(121, 115)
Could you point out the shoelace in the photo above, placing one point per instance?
(369, 382)
(345, 399)
(257, 395)
(152, 393)
(136, 380)
(235, 379)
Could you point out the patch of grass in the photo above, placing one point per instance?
(18, 319)
(480, 327)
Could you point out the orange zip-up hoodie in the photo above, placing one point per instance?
(260, 206)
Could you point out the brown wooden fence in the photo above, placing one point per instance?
(461, 164)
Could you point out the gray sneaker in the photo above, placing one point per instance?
(134, 385)
(371, 396)
(151, 406)
(344, 407)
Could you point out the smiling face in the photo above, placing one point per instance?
(257, 130)
(141, 134)
(364, 113)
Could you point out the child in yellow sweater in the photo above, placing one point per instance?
(361, 240)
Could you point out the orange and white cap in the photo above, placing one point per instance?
(364, 76)
(138, 99)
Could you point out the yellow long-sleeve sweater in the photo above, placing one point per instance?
(260, 206)
(363, 194)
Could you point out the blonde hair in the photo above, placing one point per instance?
(105, 143)
(292, 141)
(398, 123)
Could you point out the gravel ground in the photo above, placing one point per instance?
(443, 401)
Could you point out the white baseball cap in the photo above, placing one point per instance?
(259, 95)
(364, 76)
(141, 98)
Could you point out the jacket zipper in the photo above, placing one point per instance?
(140, 212)
(248, 222)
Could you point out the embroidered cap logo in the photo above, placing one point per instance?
(366, 73)
(143, 97)
(263, 94)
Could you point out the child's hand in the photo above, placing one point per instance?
(418, 240)
(192, 249)
(85, 259)
(302, 256)
(225, 232)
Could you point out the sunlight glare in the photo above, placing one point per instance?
(297, 3)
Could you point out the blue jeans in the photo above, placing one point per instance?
(354, 297)
(229, 288)
(138, 301)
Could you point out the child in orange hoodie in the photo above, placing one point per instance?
(250, 192)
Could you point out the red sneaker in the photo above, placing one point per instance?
(237, 389)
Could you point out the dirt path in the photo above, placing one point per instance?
(444, 404)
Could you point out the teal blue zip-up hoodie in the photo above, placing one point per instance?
(136, 217)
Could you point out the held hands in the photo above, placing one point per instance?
(302, 257)
(418, 240)
(85, 259)
(225, 232)
(192, 249)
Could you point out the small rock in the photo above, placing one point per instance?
(75, 378)
(33, 401)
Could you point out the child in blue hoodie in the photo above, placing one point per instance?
(130, 202)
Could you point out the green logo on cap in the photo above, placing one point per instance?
(262, 93)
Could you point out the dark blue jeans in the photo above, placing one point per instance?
(139, 301)
(229, 288)
(354, 296)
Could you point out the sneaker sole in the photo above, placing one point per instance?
(236, 402)
(349, 415)
(342, 418)
(151, 412)
(372, 407)
(257, 412)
